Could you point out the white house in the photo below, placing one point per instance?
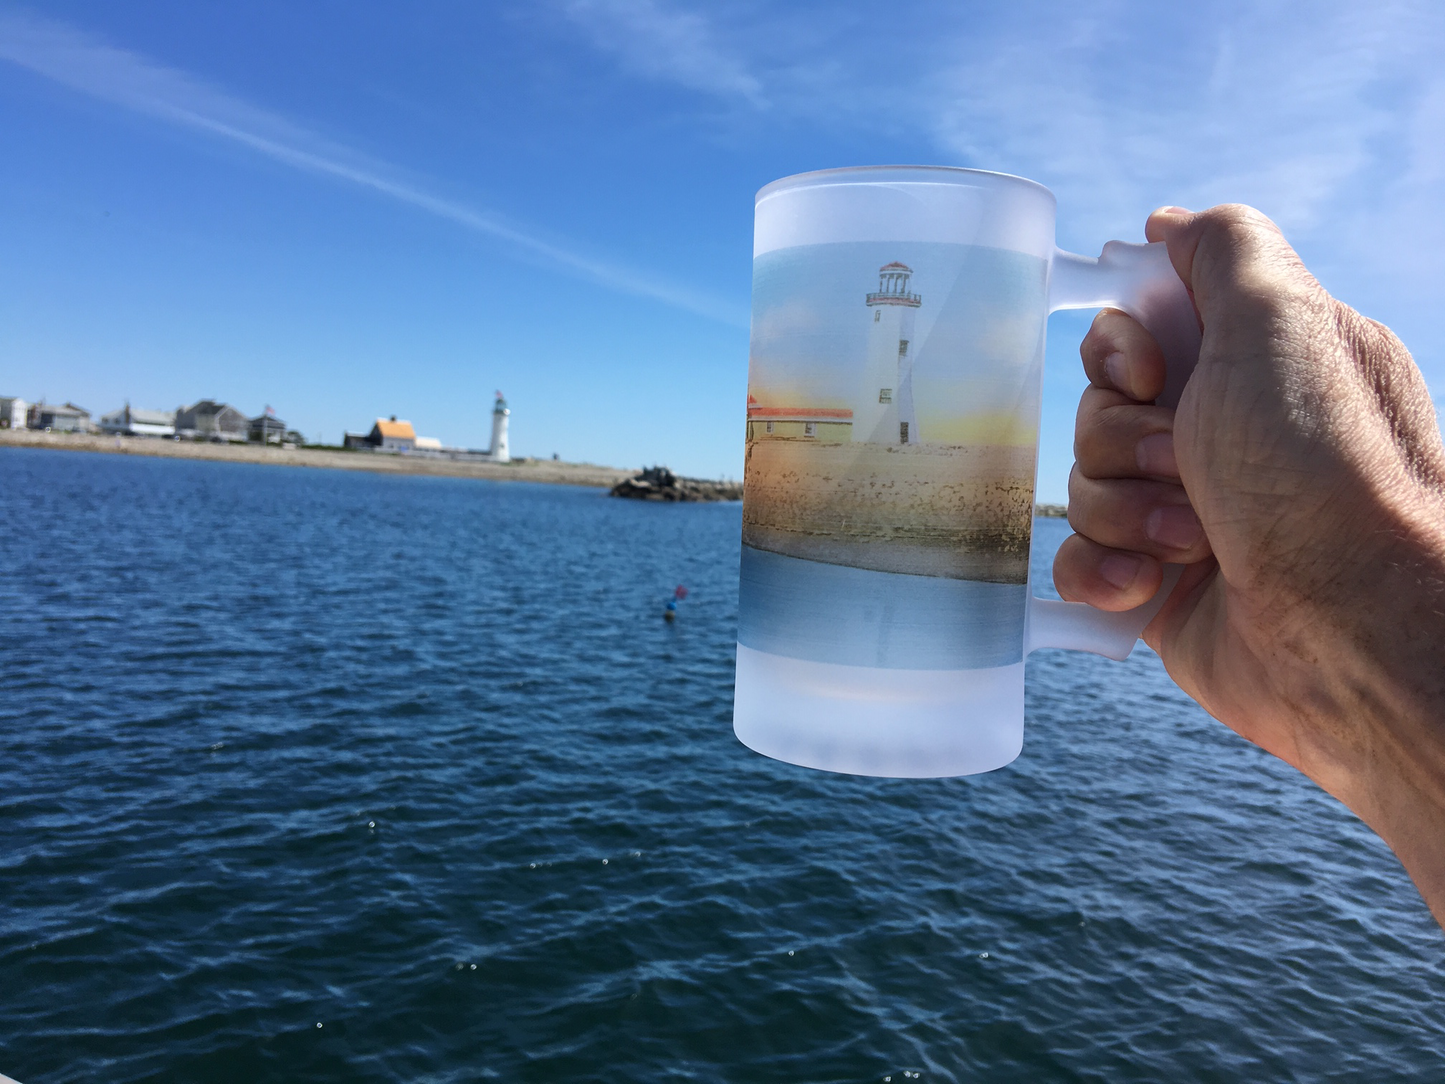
(12, 412)
(210, 420)
(139, 423)
(884, 411)
(266, 428)
(58, 419)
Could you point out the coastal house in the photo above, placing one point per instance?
(824, 424)
(394, 435)
(210, 420)
(266, 428)
(12, 412)
(387, 435)
(68, 418)
(139, 423)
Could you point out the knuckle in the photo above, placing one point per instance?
(1107, 436)
(1079, 498)
(1236, 218)
(1089, 506)
(1239, 230)
(1095, 443)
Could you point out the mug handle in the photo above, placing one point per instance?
(1140, 280)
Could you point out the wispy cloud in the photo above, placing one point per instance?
(122, 78)
(1270, 105)
(660, 41)
(1330, 116)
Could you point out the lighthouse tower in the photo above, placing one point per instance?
(500, 414)
(884, 413)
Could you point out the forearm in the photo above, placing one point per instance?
(1311, 616)
(1377, 732)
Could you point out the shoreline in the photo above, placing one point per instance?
(550, 471)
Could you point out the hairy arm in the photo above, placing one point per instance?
(1302, 482)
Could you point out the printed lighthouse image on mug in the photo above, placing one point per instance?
(891, 440)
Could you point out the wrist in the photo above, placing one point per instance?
(1378, 734)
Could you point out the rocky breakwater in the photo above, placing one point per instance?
(660, 484)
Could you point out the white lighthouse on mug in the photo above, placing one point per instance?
(884, 414)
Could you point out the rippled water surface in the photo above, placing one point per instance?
(311, 775)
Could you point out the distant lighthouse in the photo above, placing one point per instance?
(500, 413)
(884, 412)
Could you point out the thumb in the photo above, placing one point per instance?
(1229, 256)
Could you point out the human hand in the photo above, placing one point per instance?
(1300, 482)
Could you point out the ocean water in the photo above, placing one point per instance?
(312, 775)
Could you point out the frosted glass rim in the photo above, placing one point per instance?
(900, 175)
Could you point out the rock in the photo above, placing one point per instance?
(660, 484)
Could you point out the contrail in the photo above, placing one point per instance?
(123, 78)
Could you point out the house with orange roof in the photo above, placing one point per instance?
(387, 435)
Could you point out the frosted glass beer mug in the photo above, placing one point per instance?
(894, 387)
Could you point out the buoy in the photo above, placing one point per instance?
(669, 612)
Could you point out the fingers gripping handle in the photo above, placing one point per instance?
(1140, 280)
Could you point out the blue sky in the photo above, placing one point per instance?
(346, 210)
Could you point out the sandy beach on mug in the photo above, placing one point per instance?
(962, 512)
